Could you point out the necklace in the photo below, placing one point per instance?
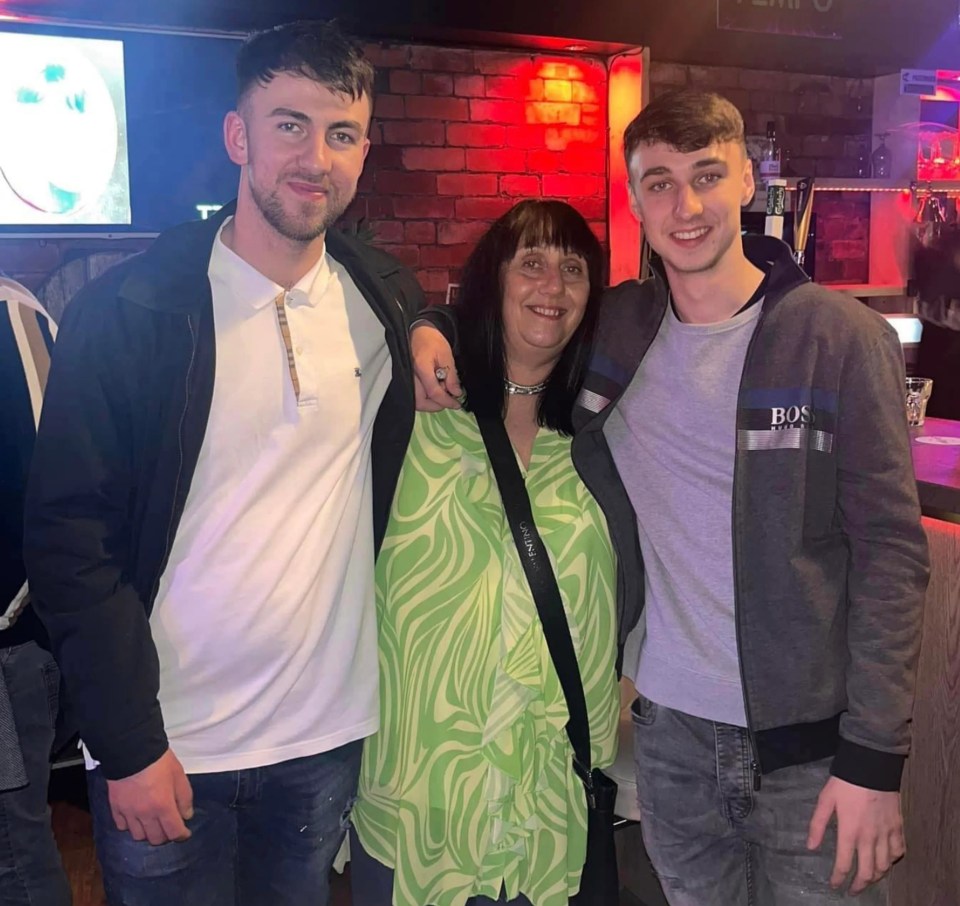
(523, 389)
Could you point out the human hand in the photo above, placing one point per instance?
(154, 803)
(869, 825)
(431, 352)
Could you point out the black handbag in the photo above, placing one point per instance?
(599, 883)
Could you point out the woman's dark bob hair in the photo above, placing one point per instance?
(482, 359)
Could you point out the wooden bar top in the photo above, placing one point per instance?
(937, 467)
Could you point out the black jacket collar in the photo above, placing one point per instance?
(172, 274)
(768, 253)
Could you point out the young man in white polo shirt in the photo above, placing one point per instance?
(225, 423)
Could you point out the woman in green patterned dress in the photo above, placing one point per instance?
(467, 793)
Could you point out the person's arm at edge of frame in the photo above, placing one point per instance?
(888, 573)
(75, 547)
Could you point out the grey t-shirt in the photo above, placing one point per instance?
(673, 437)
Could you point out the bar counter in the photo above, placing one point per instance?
(936, 463)
(929, 875)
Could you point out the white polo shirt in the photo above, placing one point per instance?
(264, 621)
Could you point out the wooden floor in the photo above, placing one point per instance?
(71, 826)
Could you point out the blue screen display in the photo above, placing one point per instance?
(115, 131)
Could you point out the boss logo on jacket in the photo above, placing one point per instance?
(787, 418)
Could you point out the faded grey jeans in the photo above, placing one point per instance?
(712, 838)
(31, 873)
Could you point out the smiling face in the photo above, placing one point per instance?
(545, 291)
(689, 203)
(301, 149)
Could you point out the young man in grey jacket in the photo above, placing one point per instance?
(756, 422)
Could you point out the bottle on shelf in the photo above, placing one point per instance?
(938, 161)
(770, 159)
(923, 163)
(952, 154)
(881, 158)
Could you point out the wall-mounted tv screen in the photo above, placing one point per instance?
(112, 131)
(63, 131)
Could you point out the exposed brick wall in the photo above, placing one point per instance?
(822, 122)
(460, 136)
(32, 261)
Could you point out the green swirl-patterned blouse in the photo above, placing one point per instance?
(468, 787)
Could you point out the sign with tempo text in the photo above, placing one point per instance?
(808, 18)
(918, 81)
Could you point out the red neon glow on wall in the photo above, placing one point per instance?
(625, 98)
(948, 86)
(938, 151)
(557, 104)
(564, 95)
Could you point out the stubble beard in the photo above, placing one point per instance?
(308, 223)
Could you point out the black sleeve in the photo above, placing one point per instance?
(409, 294)
(78, 535)
(444, 318)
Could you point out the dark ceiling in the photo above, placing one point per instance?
(877, 36)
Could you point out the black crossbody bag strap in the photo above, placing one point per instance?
(543, 585)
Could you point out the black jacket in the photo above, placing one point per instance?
(122, 426)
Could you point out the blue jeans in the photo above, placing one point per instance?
(714, 840)
(260, 837)
(30, 868)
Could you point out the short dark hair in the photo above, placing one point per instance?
(482, 355)
(687, 120)
(317, 50)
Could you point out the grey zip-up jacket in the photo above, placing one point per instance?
(830, 559)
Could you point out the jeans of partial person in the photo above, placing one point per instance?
(263, 836)
(30, 868)
(712, 838)
(371, 882)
